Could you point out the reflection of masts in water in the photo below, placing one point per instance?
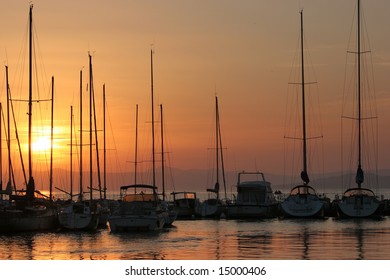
(306, 246)
(359, 235)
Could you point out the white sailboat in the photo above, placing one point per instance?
(213, 206)
(140, 208)
(358, 202)
(8, 190)
(80, 214)
(303, 200)
(172, 214)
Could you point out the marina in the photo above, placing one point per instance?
(272, 211)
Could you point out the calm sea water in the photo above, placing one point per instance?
(275, 239)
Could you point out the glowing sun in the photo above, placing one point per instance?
(41, 144)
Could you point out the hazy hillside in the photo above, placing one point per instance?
(199, 180)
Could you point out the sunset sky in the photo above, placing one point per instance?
(240, 50)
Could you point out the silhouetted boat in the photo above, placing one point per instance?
(29, 210)
(172, 214)
(139, 209)
(213, 206)
(303, 200)
(255, 198)
(185, 204)
(77, 215)
(358, 202)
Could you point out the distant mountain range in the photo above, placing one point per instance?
(199, 180)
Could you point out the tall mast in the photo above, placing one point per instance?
(104, 143)
(1, 154)
(71, 152)
(162, 153)
(222, 161)
(152, 92)
(96, 143)
(30, 98)
(51, 137)
(8, 128)
(359, 176)
(81, 136)
(136, 145)
(217, 145)
(30, 189)
(90, 128)
(305, 176)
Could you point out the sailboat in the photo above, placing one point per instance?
(104, 203)
(8, 191)
(172, 214)
(358, 202)
(255, 198)
(28, 212)
(78, 215)
(140, 208)
(303, 200)
(214, 207)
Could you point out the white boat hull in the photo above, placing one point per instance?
(211, 209)
(358, 206)
(78, 216)
(76, 221)
(302, 206)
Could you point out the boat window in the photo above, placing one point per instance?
(302, 190)
(139, 197)
(189, 195)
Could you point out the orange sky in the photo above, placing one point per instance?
(243, 50)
